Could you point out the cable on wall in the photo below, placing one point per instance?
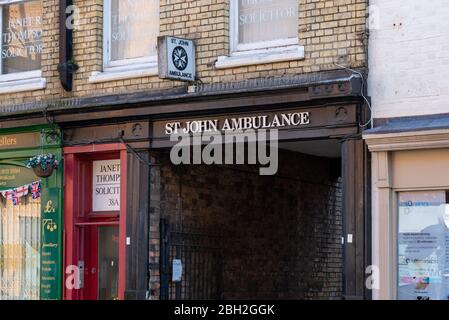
(362, 93)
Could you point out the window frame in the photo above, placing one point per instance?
(16, 76)
(237, 47)
(124, 64)
(74, 218)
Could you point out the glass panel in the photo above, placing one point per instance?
(108, 263)
(423, 248)
(134, 28)
(19, 249)
(21, 37)
(106, 186)
(265, 20)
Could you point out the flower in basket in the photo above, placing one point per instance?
(43, 164)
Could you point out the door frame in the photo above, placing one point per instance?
(73, 156)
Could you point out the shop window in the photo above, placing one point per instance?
(21, 45)
(20, 233)
(423, 246)
(130, 38)
(262, 31)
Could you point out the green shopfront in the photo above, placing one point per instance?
(30, 215)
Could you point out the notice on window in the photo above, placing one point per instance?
(106, 185)
(423, 246)
(265, 20)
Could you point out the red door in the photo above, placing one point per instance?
(100, 259)
(94, 235)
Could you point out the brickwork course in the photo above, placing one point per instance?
(331, 31)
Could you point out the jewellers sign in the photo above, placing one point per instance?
(176, 58)
(106, 185)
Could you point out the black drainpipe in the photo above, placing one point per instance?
(66, 66)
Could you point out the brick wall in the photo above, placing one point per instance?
(332, 31)
(280, 236)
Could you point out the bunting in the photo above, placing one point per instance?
(36, 189)
(15, 194)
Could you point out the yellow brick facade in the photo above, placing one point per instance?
(331, 31)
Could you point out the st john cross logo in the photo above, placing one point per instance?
(180, 58)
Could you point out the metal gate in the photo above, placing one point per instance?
(200, 255)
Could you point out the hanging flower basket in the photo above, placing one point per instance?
(43, 164)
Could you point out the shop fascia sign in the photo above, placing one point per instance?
(176, 58)
(276, 121)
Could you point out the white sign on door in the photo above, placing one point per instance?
(106, 185)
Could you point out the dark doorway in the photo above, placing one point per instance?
(239, 235)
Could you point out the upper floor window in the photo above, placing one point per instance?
(131, 28)
(260, 24)
(21, 38)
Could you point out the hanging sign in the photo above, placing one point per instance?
(176, 58)
(106, 185)
(51, 244)
(12, 176)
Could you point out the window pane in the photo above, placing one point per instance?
(265, 20)
(21, 37)
(134, 28)
(20, 228)
(423, 246)
(108, 239)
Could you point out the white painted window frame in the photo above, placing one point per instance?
(19, 81)
(257, 52)
(237, 47)
(120, 69)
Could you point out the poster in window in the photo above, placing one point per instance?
(423, 246)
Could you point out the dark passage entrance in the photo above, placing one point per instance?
(239, 235)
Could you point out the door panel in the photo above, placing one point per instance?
(108, 239)
(100, 257)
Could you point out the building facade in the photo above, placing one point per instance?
(408, 58)
(131, 217)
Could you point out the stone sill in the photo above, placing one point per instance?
(22, 85)
(113, 74)
(255, 57)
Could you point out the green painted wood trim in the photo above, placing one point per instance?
(51, 248)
